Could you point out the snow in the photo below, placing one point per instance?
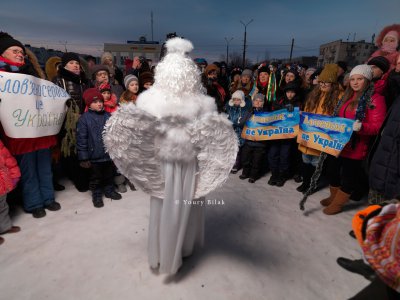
(259, 245)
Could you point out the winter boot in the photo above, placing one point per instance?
(340, 199)
(327, 201)
(357, 266)
(282, 177)
(274, 178)
(308, 171)
(109, 192)
(119, 181)
(97, 198)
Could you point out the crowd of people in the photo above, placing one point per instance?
(368, 93)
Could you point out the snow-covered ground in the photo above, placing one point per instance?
(259, 245)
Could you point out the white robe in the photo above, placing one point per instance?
(176, 224)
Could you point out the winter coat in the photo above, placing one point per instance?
(385, 164)
(89, 138)
(392, 87)
(18, 146)
(9, 170)
(358, 146)
(235, 114)
(74, 84)
(215, 90)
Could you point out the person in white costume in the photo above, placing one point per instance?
(176, 147)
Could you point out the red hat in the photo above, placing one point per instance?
(91, 95)
(104, 87)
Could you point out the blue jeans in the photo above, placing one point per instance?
(310, 159)
(36, 179)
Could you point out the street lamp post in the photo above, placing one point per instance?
(227, 49)
(244, 42)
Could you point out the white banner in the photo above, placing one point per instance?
(31, 107)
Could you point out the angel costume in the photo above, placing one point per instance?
(176, 147)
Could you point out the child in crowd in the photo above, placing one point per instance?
(131, 83)
(9, 176)
(235, 109)
(253, 152)
(91, 151)
(110, 100)
(280, 150)
(146, 80)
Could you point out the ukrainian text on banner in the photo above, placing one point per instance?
(276, 125)
(30, 107)
(324, 133)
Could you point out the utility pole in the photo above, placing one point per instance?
(152, 37)
(227, 49)
(291, 51)
(244, 42)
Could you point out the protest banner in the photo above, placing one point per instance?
(275, 125)
(30, 107)
(324, 133)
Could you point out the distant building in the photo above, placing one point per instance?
(121, 52)
(353, 53)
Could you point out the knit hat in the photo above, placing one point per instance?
(91, 95)
(238, 95)
(104, 87)
(381, 62)
(210, 68)
(387, 30)
(67, 57)
(247, 72)
(146, 77)
(98, 68)
(7, 41)
(329, 73)
(364, 70)
(128, 79)
(258, 96)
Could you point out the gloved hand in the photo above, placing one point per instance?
(85, 164)
(357, 126)
(289, 107)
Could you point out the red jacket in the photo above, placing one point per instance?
(374, 117)
(9, 171)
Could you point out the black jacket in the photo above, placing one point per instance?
(74, 84)
(384, 171)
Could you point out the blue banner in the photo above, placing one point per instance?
(276, 125)
(324, 133)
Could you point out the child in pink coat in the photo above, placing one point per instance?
(9, 176)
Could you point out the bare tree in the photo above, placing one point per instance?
(235, 60)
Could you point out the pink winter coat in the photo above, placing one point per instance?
(9, 171)
(374, 117)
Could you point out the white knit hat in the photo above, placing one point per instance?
(238, 95)
(364, 70)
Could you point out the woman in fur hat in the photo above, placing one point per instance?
(388, 42)
(33, 154)
(368, 109)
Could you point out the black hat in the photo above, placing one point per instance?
(7, 41)
(291, 86)
(381, 62)
(264, 68)
(67, 57)
(343, 65)
(235, 71)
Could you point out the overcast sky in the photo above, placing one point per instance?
(84, 26)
